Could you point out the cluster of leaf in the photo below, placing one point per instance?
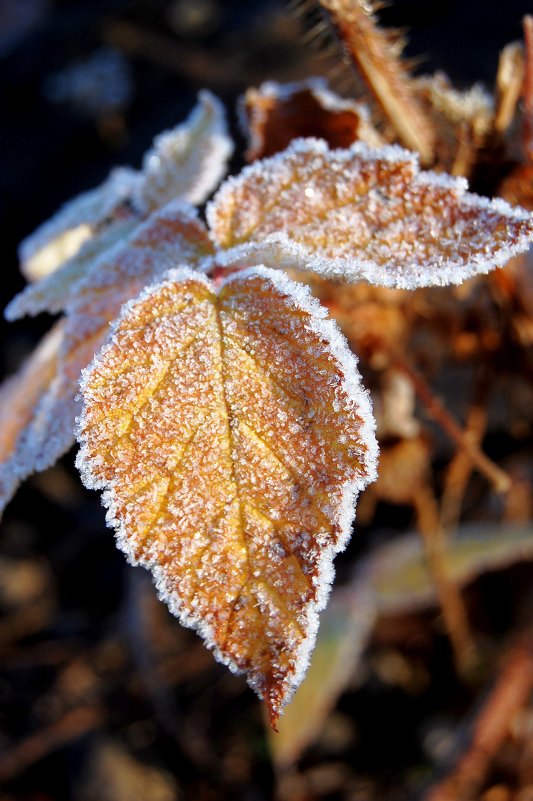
(223, 414)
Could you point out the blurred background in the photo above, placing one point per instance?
(103, 696)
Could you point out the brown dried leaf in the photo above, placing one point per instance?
(275, 114)
(188, 161)
(463, 121)
(231, 434)
(362, 214)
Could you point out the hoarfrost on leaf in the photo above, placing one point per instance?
(190, 160)
(363, 214)
(61, 237)
(39, 404)
(186, 162)
(231, 435)
(27, 434)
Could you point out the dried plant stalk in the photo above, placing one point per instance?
(507, 698)
(376, 58)
(449, 594)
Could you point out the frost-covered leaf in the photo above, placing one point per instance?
(19, 396)
(363, 214)
(188, 161)
(231, 434)
(174, 232)
(62, 236)
(171, 236)
(27, 432)
(20, 392)
(344, 630)
(275, 114)
(39, 427)
(54, 291)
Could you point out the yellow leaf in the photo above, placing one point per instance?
(231, 434)
(363, 214)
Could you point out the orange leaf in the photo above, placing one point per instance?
(231, 434)
(277, 113)
(363, 214)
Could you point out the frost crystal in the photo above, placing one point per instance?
(61, 237)
(231, 435)
(188, 161)
(363, 214)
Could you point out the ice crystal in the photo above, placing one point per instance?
(363, 214)
(231, 435)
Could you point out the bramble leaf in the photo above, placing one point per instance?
(275, 114)
(363, 214)
(231, 434)
(186, 162)
(189, 160)
(19, 397)
(90, 213)
(43, 419)
(53, 292)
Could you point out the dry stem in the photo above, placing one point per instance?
(508, 696)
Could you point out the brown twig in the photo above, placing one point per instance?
(508, 696)
(378, 61)
(527, 91)
(436, 409)
(460, 467)
(448, 592)
(74, 724)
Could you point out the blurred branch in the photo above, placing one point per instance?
(491, 727)
(73, 725)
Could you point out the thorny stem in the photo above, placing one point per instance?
(374, 56)
(497, 477)
(507, 698)
(449, 595)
